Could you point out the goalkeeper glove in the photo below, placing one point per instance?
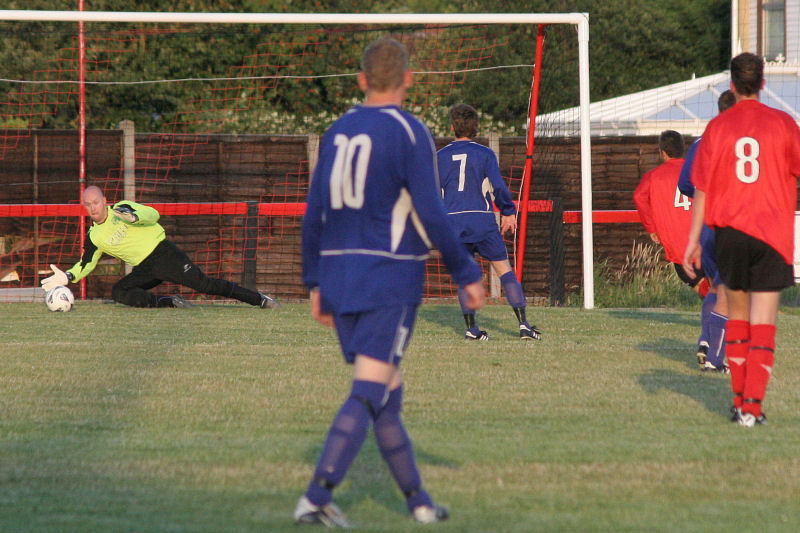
(59, 278)
(126, 213)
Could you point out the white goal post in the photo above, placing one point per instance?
(580, 20)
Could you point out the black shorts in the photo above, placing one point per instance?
(749, 264)
(685, 277)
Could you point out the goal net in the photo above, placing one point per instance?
(214, 120)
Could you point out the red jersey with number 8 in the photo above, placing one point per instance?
(747, 164)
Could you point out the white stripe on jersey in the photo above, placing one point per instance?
(486, 187)
(404, 207)
(396, 114)
(420, 228)
(474, 211)
(364, 251)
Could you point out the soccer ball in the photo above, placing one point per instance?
(59, 299)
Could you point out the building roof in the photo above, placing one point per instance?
(686, 106)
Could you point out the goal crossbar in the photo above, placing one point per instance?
(294, 18)
(580, 20)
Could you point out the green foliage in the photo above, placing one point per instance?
(634, 45)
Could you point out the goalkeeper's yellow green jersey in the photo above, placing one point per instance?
(131, 242)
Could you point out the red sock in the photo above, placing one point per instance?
(703, 287)
(759, 366)
(737, 345)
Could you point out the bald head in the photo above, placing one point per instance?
(94, 201)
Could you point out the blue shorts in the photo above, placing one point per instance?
(381, 334)
(708, 257)
(491, 248)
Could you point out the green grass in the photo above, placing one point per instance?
(211, 419)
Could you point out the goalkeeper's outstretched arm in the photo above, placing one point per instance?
(134, 213)
(84, 267)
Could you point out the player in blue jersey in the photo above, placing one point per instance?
(714, 312)
(372, 213)
(471, 183)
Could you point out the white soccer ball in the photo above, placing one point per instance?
(59, 299)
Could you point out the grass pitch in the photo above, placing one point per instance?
(211, 419)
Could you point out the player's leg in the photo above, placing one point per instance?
(703, 340)
(701, 286)
(493, 249)
(473, 332)
(733, 263)
(737, 342)
(714, 320)
(349, 427)
(133, 289)
(384, 335)
(761, 357)
(754, 274)
(770, 273)
(396, 449)
(390, 433)
(516, 298)
(717, 324)
(345, 437)
(173, 264)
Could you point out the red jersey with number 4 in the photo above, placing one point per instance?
(663, 210)
(747, 165)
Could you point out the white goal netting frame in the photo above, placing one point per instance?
(579, 20)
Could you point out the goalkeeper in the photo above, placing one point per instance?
(131, 232)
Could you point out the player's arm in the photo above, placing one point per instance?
(685, 184)
(134, 213)
(311, 231)
(691, 258)
(312, 228)
(641, 197)
(502, 196)
(91, 255)
(326, 319)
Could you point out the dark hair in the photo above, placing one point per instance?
(671, 142)
(464, 119)
(384, 64)
(726, 100)
(747, 73)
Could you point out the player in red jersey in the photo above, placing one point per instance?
(664, 211)
(745, 177)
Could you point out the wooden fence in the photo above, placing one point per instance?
(41, 168)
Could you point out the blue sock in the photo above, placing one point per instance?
(705, 312)
(396, 449)
(345, 437)
(716, 339)
(462, 300)
(513, 288)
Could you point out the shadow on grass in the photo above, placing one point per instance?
(369, 478)
(656, 315)
(711, 390)
(672, 349)
(450, 318)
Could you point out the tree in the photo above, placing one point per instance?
(635, 45)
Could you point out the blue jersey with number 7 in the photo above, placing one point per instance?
(373, 212)
(471, 184)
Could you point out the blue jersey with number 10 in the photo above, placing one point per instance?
(373, 212)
